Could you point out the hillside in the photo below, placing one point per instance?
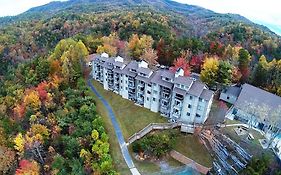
(201, 20)
(176, 30)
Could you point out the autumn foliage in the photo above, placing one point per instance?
(27, 167)
(181, 63)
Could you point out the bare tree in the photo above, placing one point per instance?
(256, 113)
(274, 125)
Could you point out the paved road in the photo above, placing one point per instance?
(118, 132)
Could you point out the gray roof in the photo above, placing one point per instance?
(195, 75)
(167, 73)
(158, 80)
(117, 70)
(133, 65)
(126, 71)
(183, 80)
(143, 70)
(130, 65)
(118, 63)
(107, 65)
(232, 90)
(179, 91)
(257, 96)
(206, 94)
(196, 88)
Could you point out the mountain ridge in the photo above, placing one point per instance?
(189, 11)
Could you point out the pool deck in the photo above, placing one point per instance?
(185, 160)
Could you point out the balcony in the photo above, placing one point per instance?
(141, 89)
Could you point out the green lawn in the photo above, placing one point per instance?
(228, 121)
(190, 146)
(131, 118)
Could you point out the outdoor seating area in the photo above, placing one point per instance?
(241, 130)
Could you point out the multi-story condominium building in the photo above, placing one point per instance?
(171, 94)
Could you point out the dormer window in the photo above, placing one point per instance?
(166, 79)
(133, 70)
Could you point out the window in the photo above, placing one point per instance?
(182, 86)
(200, 99)
(188, 114)
(148, 92)
(149, 85)
(126, 81)
(190, 97)
(127, 76)
(197, 115)
(227, 97)
(154, 92)
(189, 105)
(153, 99)
(147, 99)
(126, 88)
(199, 108)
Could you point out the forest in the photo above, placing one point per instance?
(49, 123)
(240, 52)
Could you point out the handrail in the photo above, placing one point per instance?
(150, 127)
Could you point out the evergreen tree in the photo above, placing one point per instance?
(260, 73)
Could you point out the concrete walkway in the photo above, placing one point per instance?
(185, 160)
(118, 132)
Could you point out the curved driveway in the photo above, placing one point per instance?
(118, 132)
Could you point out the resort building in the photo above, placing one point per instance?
(173, 95)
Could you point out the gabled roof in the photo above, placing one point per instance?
(232, 90)
(206, 94)
(179, 91)
(158, 80)
(197, 88)
(167, 74)
(117, 70)
(257, 96)
(183, 80)
(118, 63)
(132, 65)
(144, 70)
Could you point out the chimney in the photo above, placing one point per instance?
(179, 72)
(105, 55)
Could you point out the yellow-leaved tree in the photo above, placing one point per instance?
(19, 143)
(209, 71)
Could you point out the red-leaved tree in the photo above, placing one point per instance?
(181, 63)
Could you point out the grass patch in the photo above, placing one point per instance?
(131, 118)
(190, 146)
(229, 122)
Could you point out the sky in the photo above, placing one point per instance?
(266, 12)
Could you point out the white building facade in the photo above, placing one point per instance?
(171, 94)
